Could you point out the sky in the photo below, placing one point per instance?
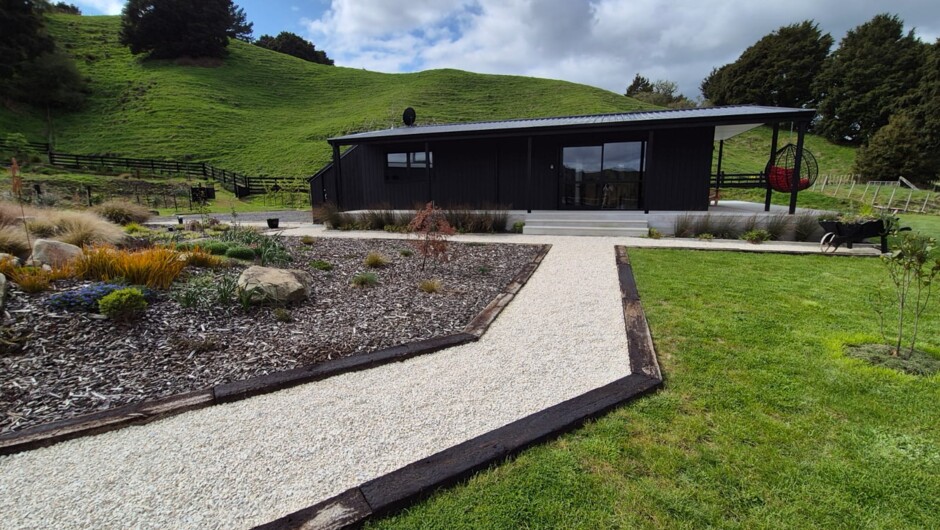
(603, 43)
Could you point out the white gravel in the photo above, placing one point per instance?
(246, 463)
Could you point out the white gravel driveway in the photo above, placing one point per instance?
(246, 463)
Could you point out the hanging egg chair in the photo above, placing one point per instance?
(780, 170)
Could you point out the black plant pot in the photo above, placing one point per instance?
(273, 223)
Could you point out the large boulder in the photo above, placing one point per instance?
(283, 286)
(55, 253)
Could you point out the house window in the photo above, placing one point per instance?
(408, 166)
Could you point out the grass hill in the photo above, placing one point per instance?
(261, 112)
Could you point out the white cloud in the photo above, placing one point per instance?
(597, 42)
(106, 7)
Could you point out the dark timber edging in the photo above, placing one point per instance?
(408, 485)
(148, 411)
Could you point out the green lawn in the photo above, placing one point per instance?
(749, 152)
(763, 423)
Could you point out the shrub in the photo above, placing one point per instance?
(433, 232)
(321, 265)
(308, 240)
(364, 279)
(269, 249)
(194, 226)
(239, 252)
(155, 267)
(82, 299)
(123, 305)
(333, 218)
(756, 236)
(406, 252)
(804, 226)
(13, 241)
(217, 248)
(777, 226)
(684, 226)
(283, 315)
(122, 212)
(705, 236)
(375, 260)
(85, 229)
(654, 234)
(518, 227)
(430, 286)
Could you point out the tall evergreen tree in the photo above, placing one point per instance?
(863, 81)
(778, 70)
(239, 27)
(295, 45)
(166, 29)
(639, 84)
(23, 38)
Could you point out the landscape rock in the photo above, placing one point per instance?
(55, 253)
(275, 285)
(4, 256)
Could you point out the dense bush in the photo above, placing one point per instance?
(216, 248)
(83, 299)
(123, 305)
(123, 212)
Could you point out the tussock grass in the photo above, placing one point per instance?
(85, 228)
(13, 241)
(123, 212)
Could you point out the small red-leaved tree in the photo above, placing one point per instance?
(432, 230)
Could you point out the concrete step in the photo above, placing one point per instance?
(584, 230)
(609, 222)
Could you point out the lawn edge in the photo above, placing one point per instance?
(154, 409)
(414, 482)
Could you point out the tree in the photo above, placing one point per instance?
(167, 29)
(32, 70)
(639, 84)
(661, 93)
(895, 151)
(239, 27)
(23, 38)
(777, 70)
(863, 81)
(295, 45)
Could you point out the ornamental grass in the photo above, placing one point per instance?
(155, 267)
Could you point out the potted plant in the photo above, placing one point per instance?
(273, 222)
(851, 229)
(272, 194)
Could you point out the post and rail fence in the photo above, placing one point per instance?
(239, 184)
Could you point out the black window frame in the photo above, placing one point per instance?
(414, 170)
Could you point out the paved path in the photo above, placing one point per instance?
(245, 463)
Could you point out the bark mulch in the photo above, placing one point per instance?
(79, 363)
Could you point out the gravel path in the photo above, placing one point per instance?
(238, 465)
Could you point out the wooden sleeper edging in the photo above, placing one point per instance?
(407, 485)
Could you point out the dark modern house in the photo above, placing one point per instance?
(647, 160)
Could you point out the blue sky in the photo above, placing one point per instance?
(596, 42)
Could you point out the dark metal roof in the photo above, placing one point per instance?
(737, 114)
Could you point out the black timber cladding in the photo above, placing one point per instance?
(486, 164)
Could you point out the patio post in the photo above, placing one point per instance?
(427, 166)
(773, 156)
(797, 162)
(528, 174)
(337, 174)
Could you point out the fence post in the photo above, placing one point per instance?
(822, 188)
(875, 196)
(908, 203)
(891, 198)
(864, 193)
(851, 189)
(923, 209)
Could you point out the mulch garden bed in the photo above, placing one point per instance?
(79, 363)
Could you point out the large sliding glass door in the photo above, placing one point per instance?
(602, 177)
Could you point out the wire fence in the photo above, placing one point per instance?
(898, 196)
